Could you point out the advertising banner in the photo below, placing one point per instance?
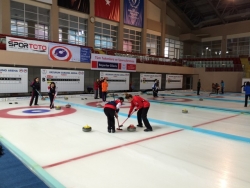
(174, 81)
(13, 80)
(62, 52)
(147, 80)
(116, 63)
(133, 12)
(65, 80)
(116, 80)
(28, 46)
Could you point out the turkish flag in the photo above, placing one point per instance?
(108, 9)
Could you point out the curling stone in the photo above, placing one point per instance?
(185, 111)
(67, 105)
(82, 98)
(131, 128)
(85, 98)
(86, 128)
(42, 98)
(99, 105)
(201, 99)
(66, 98)
(16, 102)
(58, 108)
(10, 102)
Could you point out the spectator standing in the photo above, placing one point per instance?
(198, 87)
(222, 84)
(104, 90)
(247, 92)
(96, 87)
(100, 87)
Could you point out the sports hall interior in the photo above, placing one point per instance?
(207, 40)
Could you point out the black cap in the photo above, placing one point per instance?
(121, 98)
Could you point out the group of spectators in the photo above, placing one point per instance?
(101, 85)
(215, 87)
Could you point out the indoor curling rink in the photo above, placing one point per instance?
(207, 147)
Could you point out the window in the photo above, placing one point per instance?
(105, 35)
(29, 21)
(132, 41)
(173, 48)
(153, 44)
(211, 49)
(238, 46)
(72, 29)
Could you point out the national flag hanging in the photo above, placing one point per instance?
(108, 9)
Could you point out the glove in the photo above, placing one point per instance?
(117, 110)
(128, 115)
(135, 109)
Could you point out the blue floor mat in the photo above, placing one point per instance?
(14, 174)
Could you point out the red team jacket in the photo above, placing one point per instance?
(112, 104)
(139, 103)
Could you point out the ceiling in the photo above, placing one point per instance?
(204, 13)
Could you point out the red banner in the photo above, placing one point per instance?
(108, 9)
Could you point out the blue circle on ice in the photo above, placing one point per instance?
(36, 111)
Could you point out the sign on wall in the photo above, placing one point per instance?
(133, 12)
(115, 63)
(24, 45)
(116, 80)
(65, 80)
(147, 80)
(13, 80)
(174, 81)
(62, 52)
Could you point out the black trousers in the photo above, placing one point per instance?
(51, 98)
(142, 115)
(222, 90)
(110, 113)
(104, 96)
(34, 95)
(198, 90)
(155, 92)
(246, 99)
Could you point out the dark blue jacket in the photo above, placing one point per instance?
(247, 90)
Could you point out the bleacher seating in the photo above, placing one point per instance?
(214, 64)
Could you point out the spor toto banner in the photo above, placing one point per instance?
(28, 46)
(114, 63)
(133, 12)
(62, 52)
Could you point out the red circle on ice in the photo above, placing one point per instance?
(64, 111)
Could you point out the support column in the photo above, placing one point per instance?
(144, 29)
(54, 22)
(31, 29)
(121, 27)
(163, 27)
(224, 46)
(5, 17)
(91, 26)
